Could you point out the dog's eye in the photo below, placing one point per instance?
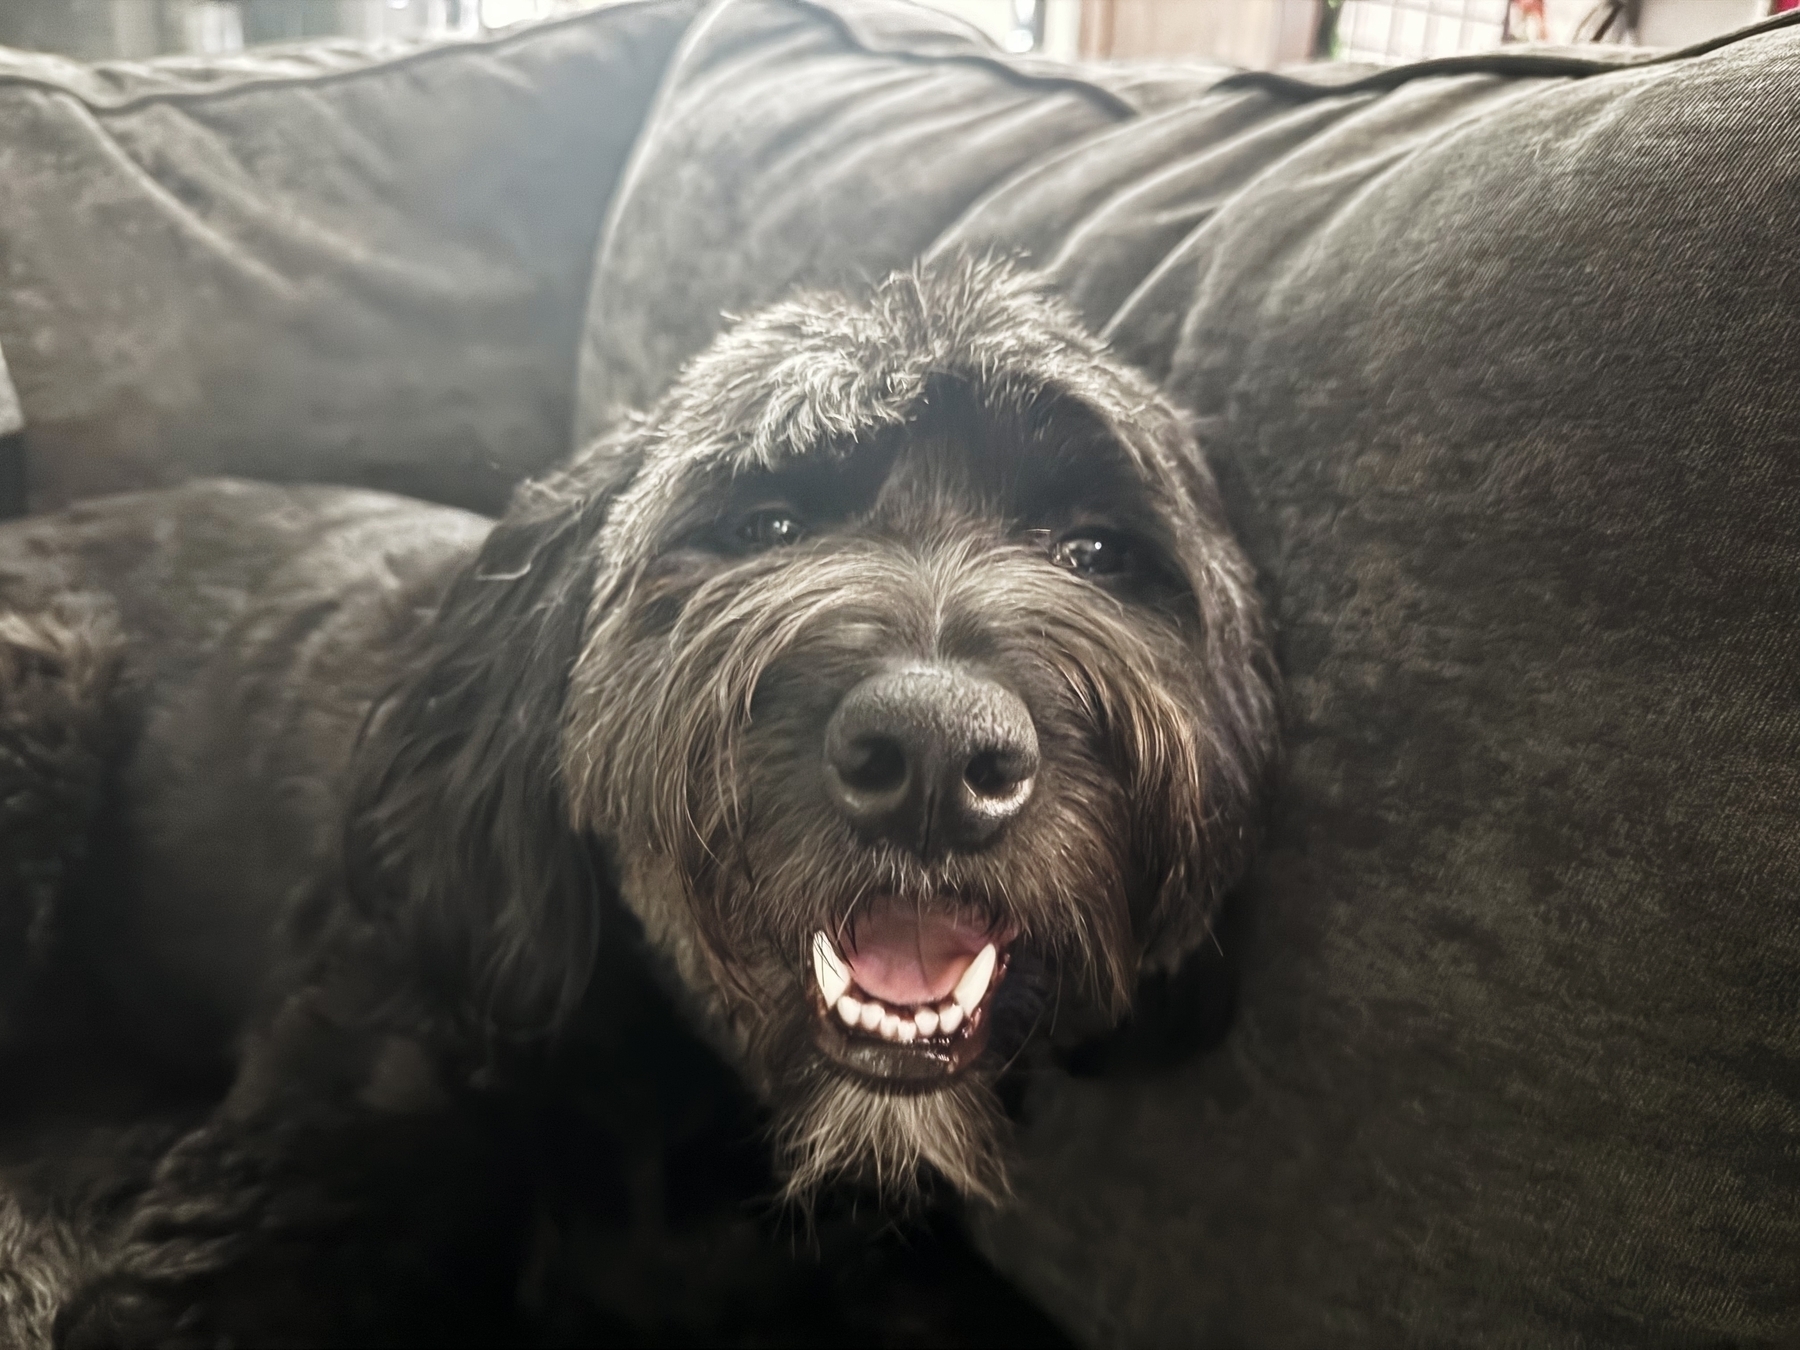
(1092, 552)
(771, 527)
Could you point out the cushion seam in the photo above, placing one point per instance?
(377, 67)
(1120, 107)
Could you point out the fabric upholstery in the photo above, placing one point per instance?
(336, 262)
(12, 418)
(1499, 363)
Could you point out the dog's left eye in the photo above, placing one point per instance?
(771, 527)
(1092, 552)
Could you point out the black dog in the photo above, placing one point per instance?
(892, 690)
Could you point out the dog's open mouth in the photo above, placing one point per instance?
(905, 996)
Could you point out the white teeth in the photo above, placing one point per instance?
(974, 983)
(921, 1023)
(833, 978)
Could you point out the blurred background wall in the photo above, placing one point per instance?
(1252, 33)
(133, 29)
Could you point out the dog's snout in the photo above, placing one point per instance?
(930, 757)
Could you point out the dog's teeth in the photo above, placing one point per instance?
(906, 1030)
(871, 1016)
(890, 1028)
(828, 970)
(949, 1018)
(849, 1009)
(927, 1022)
(973, 985)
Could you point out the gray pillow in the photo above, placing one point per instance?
(1499, 362)
(796, 143)
(337, 262)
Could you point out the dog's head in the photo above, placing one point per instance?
(902, 666)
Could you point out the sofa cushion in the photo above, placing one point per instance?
(1498, 360)
(804, 144)
(340, 262)
(797, 143)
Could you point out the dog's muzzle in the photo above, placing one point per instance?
(935, 759)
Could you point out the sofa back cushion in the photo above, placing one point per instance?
(1498, 360)
(338, 262)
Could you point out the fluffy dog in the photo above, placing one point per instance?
(891, 690)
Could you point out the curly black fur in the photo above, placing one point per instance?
(478, 832)
(57, 668)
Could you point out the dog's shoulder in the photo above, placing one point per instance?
(185, 674)
(219, 541)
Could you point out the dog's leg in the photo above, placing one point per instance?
(342, 1195)
(57, 672)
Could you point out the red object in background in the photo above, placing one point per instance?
(1527, 22)
(1783, 6)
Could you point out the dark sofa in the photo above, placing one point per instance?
(1498, 361)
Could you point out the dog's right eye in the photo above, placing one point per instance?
(1092, 551)
(771, 527)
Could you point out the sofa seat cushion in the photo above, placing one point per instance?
(1498, 360)
(342, 262)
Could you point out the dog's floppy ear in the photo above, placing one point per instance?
(458, 845)
(1236, 675)
(1191, 931)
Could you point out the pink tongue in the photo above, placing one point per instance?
(903, 957)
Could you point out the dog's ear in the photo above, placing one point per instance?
(1190, 930)
(1238, 738)
(458, 847)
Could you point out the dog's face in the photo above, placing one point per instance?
(920, 694)
(900, 663)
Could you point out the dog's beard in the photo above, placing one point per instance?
(838, 1128)
(829, 1127)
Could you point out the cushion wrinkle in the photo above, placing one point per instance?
(1125, 196)
(982, 56)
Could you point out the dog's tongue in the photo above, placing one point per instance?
(904, 957)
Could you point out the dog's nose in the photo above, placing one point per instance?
(930, 757)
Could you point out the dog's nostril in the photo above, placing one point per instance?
(995, 773)
(874, 764)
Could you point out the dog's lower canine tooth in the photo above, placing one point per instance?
(950, 1019)
(849, 1009)
(974, 982)
(927, 1022)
